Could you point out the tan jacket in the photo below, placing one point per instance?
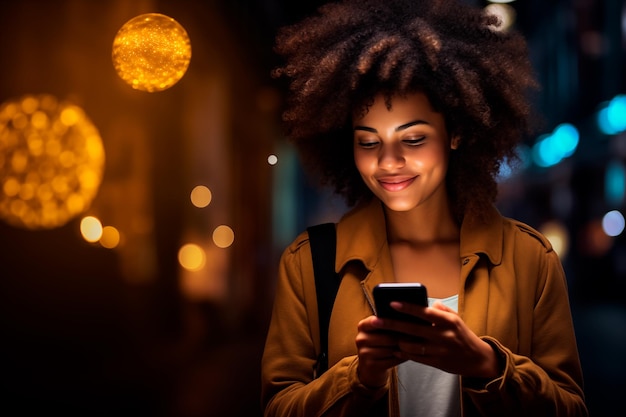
(513, 294)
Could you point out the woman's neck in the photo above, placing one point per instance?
(421, 225)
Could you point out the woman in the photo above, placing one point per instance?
(408, 108)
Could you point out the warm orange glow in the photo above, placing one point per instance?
(151, 52)
(51, 162)
(558, 236)
(91, 229)
(223, 236)
(191, 257)
(110, 237)
(201, 196)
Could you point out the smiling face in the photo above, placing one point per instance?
(402, 153)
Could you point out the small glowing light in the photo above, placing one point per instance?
(565, 139)
(551, 149)
(509, 169)
(615, 183)
(505, 172)
(223, 236)
(612, 115)
(613, 223)
(505, 13)
(52, 161)
(272, 159)
(557, 234)
(201, 196)
(91, 229)
(192, 257)
(110, 237)
(151, 52)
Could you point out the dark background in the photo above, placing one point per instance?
(99, 332)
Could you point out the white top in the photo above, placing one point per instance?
(427, 391)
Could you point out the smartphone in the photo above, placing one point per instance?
(409, 292)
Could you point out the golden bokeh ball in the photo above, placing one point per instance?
(151, 52)
(51, 162)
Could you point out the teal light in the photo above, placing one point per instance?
(565, 139)
(540, 152)
(551, 149)
(612, 116)
(615, 183)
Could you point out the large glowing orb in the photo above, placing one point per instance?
(151, 52)
(51, 162)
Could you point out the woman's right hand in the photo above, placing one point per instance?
(376, 350)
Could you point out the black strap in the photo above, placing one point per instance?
(323, 240)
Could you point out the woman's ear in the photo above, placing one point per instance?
(454, 143)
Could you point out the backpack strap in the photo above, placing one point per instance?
(323, 241)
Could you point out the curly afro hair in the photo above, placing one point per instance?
(476, 75)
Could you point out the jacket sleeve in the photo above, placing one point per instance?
(542, 375)
(287, 384)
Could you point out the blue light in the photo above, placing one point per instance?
(551, 149)
(603, 121)
(505, 172)
(565, 139)
(615, 183)
(617, 112)
(612, 116)
(542, 153)
(509, 169)
(613, 223)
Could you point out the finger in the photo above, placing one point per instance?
(418, 311)
(370, 324)
(438, 305)
(417, 352)
(438, 314)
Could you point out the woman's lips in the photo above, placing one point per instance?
(395, 184)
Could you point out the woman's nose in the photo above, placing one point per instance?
(391, 157)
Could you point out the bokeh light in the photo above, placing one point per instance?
(223, 236)
(505, 12)
(511, 168)
(51, 162)
(613, 223)
(151, 52)
(558, 236)
(615, 183)
(91, 229)
(612, 115)
(272, 159)
(110, 237)
(192, 257)
(551, 149)
(201, 196)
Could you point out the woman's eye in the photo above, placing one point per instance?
(414, 141)
(367, 144)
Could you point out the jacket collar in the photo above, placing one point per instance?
(483, 236)
(362, 236)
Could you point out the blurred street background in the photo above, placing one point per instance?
(147, 290)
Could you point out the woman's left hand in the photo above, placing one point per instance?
(447, 344)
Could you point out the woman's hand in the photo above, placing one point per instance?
(448, 344)
(377, 350)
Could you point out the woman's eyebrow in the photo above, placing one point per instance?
(397, 129)
(413, 123)
(365, 128)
